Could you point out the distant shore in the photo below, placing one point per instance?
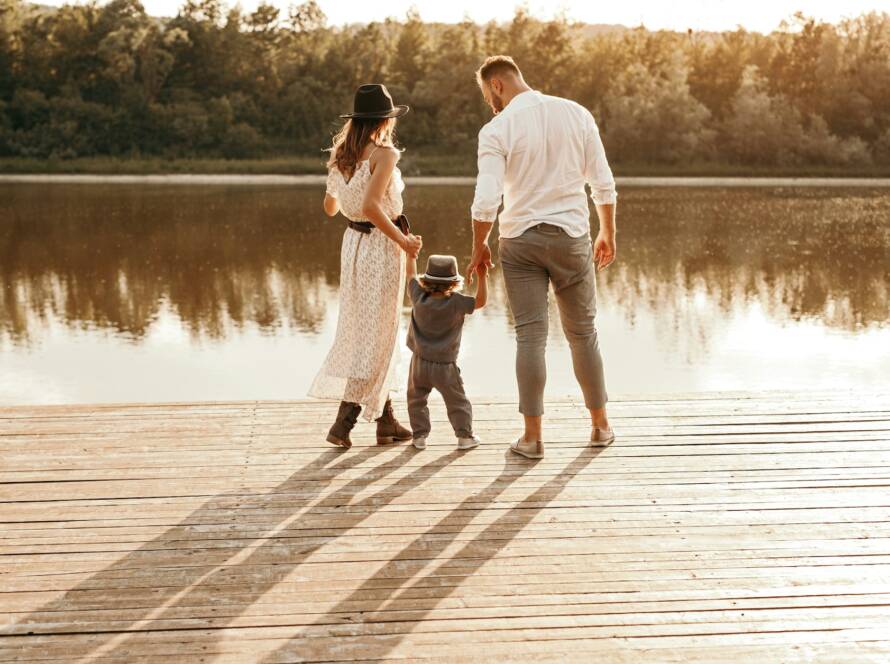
(423, 168)
(319, 180)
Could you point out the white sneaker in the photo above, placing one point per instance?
(419, 443)
(467, 443)
(602, 437)
(530, 450)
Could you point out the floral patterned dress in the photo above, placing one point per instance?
(361, 365)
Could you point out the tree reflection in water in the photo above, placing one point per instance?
(222, 259)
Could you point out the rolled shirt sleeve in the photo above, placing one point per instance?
(597, 173)
(492, 161)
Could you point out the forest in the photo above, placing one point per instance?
(213, 81)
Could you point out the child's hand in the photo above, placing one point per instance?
(482, 270)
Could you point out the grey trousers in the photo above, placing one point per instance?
(423, 377)
(543, 255)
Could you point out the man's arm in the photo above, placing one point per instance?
(604, 246)
(492, 162)
(481, 250)
(598, 175)
(482, 287)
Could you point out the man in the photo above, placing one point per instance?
(537, 153)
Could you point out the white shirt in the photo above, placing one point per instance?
(538, 153)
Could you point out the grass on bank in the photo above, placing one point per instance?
(411, 164)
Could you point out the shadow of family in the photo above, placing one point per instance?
(190, 592)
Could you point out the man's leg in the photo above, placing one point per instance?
(527, 284)
(575, 286)
(418, 394)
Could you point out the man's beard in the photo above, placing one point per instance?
(497, 103)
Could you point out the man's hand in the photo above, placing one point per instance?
(603, 251)
(481, 256)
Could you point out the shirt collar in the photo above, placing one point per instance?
(520, 101)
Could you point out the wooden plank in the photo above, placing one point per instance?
(754, 524)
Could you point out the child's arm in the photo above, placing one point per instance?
(411, 270)
(482, 286)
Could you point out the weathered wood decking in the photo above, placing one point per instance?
(736, 528)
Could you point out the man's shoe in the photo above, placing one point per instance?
(347, 416)
(601, 437)
(389, 430)
(420, 443)
(530, 450)
(467, 443)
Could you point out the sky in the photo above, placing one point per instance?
(759, 15)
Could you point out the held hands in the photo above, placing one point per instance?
(480, 262)
(603, 251)
(413, 244)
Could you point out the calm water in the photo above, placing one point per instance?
(167, 293)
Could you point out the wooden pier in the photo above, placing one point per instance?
(722, 528)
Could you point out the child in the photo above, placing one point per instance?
(437, 320)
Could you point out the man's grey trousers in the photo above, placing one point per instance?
(542, 255)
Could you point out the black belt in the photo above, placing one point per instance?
(366, 226)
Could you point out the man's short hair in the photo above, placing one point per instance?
(494, 65)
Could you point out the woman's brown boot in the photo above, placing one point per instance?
(389, 430)
(347, 416)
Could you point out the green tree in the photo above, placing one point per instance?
(653, 117)
(213, 80)
(411, 58)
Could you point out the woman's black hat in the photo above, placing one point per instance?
(373, 100)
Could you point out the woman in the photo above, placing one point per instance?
(365, 184)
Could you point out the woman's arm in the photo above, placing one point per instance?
(382, 166)
(331, 205)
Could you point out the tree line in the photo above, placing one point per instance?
(214, 81)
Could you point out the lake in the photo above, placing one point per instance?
(136, 292)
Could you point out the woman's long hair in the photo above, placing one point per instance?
(356, 133)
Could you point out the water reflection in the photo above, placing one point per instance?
(218, 268)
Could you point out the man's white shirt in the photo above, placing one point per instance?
(537, 154)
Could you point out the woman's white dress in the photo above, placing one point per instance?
(361, 365)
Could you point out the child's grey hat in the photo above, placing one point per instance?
(441, 270)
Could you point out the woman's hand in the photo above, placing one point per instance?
(413, 244)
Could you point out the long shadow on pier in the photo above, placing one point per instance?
(373, 631)
(119, 612)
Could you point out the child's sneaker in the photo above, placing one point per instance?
(419, 443)
(467, 443)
